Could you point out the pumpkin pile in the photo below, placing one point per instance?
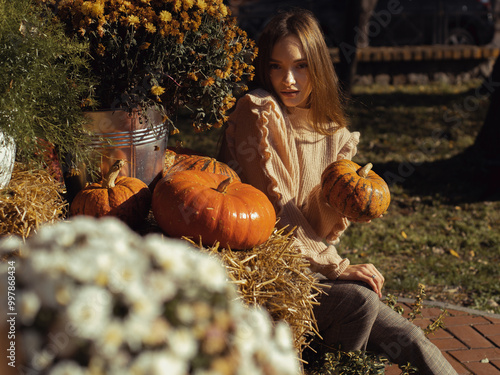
(356, 192)
(195, 196)
(203, 199)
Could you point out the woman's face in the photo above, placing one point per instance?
(289, 72)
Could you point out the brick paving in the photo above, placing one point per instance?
(470, 339)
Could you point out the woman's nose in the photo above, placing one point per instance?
(289, 77)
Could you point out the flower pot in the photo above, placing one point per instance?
(7, 158)
(141, 140)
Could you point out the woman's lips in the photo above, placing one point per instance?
(289, 94)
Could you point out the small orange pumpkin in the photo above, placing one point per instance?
(183, 162)
(214, 207)
(357, 193)
(126, 198)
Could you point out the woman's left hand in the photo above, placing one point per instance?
(367, 273)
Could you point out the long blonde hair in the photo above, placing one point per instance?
(326, 97)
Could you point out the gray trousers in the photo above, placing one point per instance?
(352, 315)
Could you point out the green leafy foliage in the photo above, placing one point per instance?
(42, 78)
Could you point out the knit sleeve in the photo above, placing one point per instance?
(261, 151)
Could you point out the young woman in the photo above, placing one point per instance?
(279, 139)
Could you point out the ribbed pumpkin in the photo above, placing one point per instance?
(214, 207)
(182, 162)
(126, 198)
(356, 192)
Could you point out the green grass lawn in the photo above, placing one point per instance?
(440, 229)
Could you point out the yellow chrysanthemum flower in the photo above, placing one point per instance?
(188, 4)
(219, 73)
(201, 4)
(157, 90)
(208, 82)
(98, 9)
(87, 8)
(177, 5)
(150, 28)
(165, 16)
(223, 10)
(133, 20)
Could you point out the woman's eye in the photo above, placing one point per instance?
(302, 66)
(274, 66)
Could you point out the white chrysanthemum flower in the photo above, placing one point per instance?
(161, 284)
(142, 302)
(10, 244)
(283, 337)
(54, 236)
(158, 333)
(183, 343)
(67, 368)
(90, 311)
(260, 322)
(48, 262)
(249, 337)
(184, 312)
(136, 330)
(127, 271)
(169, 254)
(111, 339)
(283, 363)
(113, 227)
(213, 275)
(119, 364)
(29, 305)
(271, 355)
(158, 363)
(81, 265)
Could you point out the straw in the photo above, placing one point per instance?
(32, 198)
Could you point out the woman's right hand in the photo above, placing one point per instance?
(367, 273)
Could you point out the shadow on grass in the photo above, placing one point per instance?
(464, 178)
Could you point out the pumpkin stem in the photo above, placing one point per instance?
(109, 180)
(363, 172)
(224, 184)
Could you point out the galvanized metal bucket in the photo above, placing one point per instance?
(7, 158)
(139, 139)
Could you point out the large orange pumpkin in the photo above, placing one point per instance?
(183, 162)
(126, 198)
(356, 192)
(213, 207)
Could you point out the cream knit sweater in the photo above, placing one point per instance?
(277, 151)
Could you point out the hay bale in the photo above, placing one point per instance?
(275, 275)
(32, 198)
